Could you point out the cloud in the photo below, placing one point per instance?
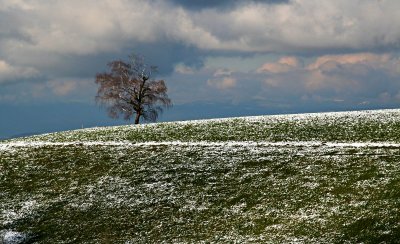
(62, 88)
(284, 64)
(223, 72)
(183, 69)
(222, 83)
(58, 38)
(359, 78)
(72, 38)
(88, 27)
(357, 71)
(222, 79)
(9, 72)
(8, 97)
(359, 58)
(347, 81)
(220, 4)
(304, 26)
(72, 89)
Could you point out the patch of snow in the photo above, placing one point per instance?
(12, 237)
(27, 208)
(9, 216)
(36, 144)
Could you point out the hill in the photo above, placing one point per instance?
(306, 178)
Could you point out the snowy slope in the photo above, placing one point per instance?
(306, 178)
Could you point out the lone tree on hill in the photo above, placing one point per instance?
(129, 89)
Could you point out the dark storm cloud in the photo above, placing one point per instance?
(223, 4)
(10, 26)
(88, 65)
(166, 56)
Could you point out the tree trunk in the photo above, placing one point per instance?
(137, 118)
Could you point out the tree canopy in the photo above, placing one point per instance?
(129, 89)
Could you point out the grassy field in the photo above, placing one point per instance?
(308, 178)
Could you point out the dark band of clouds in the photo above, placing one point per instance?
(221, 4)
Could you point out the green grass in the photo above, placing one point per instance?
(357, 127)
(209, 192)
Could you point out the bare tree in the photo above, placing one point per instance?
(129, 89)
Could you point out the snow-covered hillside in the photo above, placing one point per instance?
(306, 178)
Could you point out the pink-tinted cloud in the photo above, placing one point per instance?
(351, 72)
(222, 83)
(358, 58)
(316, 80)
(223, 79)
(284, 64)
(358, 78)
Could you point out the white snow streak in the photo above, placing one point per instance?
(21, 144)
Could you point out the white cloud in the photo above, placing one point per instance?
(223, 72)
(84, 27)
(87, 27)
(305, 25)
(10, 72)
(183, 69)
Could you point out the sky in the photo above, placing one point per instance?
(219, 58)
